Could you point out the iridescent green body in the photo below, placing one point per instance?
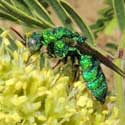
(54, 40)
(94, 77)
(59, 44)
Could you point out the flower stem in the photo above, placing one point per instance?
(119, 83)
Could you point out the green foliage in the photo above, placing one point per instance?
(34, 14)
(120, 13)
(59, 10)
(105, 16)
(79, 21)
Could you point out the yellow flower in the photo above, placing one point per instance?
(30, 96)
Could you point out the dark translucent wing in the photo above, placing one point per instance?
(85, 48)
(22, 38)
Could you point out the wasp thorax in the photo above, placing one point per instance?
(60, 49)
(34, 42)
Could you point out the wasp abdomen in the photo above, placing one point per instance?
(94, 77)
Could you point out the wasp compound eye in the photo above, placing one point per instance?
(35, 42)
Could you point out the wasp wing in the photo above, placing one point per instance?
(88, 49)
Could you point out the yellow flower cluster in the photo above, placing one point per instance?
(30, 96)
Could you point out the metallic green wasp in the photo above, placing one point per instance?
(62, 43)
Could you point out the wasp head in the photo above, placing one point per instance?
(33, 41)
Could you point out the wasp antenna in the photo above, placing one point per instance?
(24, 41)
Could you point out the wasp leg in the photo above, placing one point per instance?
(58, 62)
(76, 72)
(28, 59)
(75, 68)
(65, 60)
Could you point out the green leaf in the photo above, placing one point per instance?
(1, 30)
(7, 16)
(99, 23)
(106, 14)
(120, 12)
(24, 17)
(108, 2)
(120, 93)
(63, 16)
(45, 5)
(38, 10)
(21, 5)
(79, 21)
(111, 46)
(111, 27)
(12, 45)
